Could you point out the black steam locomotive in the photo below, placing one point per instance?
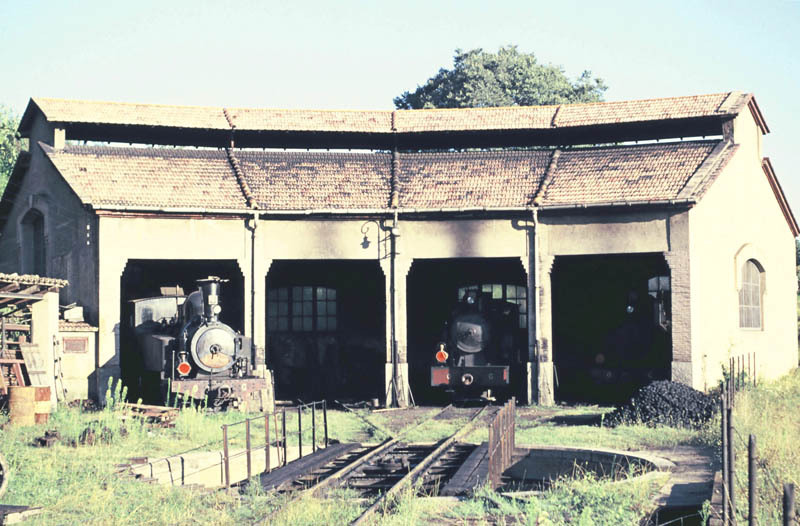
(479, 343)
(182, 349)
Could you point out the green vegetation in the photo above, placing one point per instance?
(77, 485)
(506, 78)
(10, 144)
(770, 413)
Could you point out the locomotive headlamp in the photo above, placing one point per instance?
(216, 309)
(441, 354)
(184, 368)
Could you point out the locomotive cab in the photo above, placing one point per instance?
(477, 345)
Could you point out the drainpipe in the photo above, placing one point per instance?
(393, 311)
(534, 289)
(252, 227)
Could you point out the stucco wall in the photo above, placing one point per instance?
(124, 238)
(739, 218)
(70, 244)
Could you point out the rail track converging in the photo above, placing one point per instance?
(376, 473)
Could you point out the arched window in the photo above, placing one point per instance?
(33, 243)
(750, 295)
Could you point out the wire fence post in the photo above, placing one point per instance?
(226, 458)
(266, 442)
(325, 419)
(314, 427)
(247, 445)
(731, 467)
(788, 505)
(285, 450)
(751, 479)
(300, 431)
(725, 481)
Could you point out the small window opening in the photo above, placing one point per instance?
(301, 309)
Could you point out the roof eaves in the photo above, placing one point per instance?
(25, 122)
(704, 171)
(769, 171)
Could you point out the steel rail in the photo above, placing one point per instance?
(349, 468)
(346, 470)
(419, 469)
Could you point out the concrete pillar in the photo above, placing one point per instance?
(402, 266)
(545, 390)
(44, 331)
(678, 262)
(108, 344)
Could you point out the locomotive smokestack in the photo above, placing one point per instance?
(210, 288)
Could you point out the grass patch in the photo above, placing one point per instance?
(770, 412)
(583, 500)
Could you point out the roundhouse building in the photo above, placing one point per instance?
(639, 239)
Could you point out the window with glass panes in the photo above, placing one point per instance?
(750, 296)
(301, 309)
(503, 291)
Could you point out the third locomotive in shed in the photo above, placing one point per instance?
(478, 346)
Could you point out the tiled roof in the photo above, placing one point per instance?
(317, 180)
(381, 122)
(625, 173)
(639, 110)
(32, 279)
(492, 179)
(475, 119)
(151, 177)
(75, 326)
(301, 181)
(311, 120)
(97, 112)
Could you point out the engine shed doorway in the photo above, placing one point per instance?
(611, 325)
(326, 329)
(143, 278)
(434, 288)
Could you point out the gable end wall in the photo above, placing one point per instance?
(738, 219)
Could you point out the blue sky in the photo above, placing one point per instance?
(359, 55)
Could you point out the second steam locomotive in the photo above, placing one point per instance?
(479, 343)
(184, 349)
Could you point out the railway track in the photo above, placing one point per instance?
(378, 472)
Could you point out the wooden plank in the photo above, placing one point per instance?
(35, 363)
(6, 361)
(10, 514)
(468, 475)
(296, 469)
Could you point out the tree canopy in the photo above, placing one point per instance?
(506, 78)
(10, 144)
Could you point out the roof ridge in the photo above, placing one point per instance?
(240, 178)
(704, 171)
(547, 179)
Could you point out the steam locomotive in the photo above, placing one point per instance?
(479, 343)
(183, 348)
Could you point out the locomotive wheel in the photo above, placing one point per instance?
(3, 475)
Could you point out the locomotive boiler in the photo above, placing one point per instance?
(184, 349)
(478, 345)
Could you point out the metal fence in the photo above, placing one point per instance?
(281, 434)
(741, 372)
(501, 442)
(728, 511)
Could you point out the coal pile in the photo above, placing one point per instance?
(665, 403)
